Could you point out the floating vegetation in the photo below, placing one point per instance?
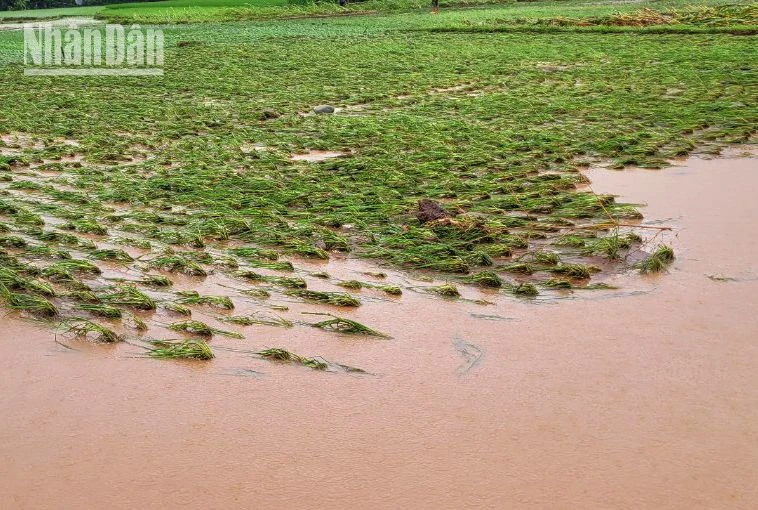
(128, 295)
(257, 319)
(275, 266)
(256, 293)
(347, 326)
(284, 355)
(525, 289)
(661, 258)
(610, 246)
(574, 270)
(201, 328)
(180, 349)
(83, 328)
(330, 298)
(254, 253)
(351, 284)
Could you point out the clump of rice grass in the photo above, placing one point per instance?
(447, 290)
(180, 349)
(546, 257)
(178, 264)
(111, 254)
(155, 280)
(28, 303)
(308, 251)
(83, 328)
(557, 283)
(201, 328)
(284, 355)
(85, 227)
(610, 246)
(525, 289)
(217, 301)
(351, 284)
(128, 295)
(101, 310)
(254, 253)
(134, 322)
(74, 266)
(256, 293)
(661, 258)
(570, 241)
(282, 281)
(257, 319)
(331, 298)
(13, 242)
(14, 281)
(130, 241)
(485, 279)
(59, 237)
(347, 326)
(574, 270)
(274, 266)
(177, 308)
(49, 252)
(84, 296)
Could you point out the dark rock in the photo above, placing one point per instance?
(323, 108)
(269, 114)
(429, 210)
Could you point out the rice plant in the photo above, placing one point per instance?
(83, 328)
(101, 310)
(331, 298)
(661, 258)
(201, 328)
(178, 264)
(347, 326)
(257, 319)
(284, 355)
(28, 303)
(128, 295)
(180, 349)
(485, 279)
(111, 254)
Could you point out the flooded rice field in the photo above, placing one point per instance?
(641, 396)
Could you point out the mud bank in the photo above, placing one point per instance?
(644, 397)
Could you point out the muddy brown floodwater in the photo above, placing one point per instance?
(645, 397)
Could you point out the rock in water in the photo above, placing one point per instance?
(323, 108)
(429, 210)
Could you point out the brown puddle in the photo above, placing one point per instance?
(645, 397)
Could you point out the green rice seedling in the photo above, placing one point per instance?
(134, 322)
(485, 279)
(321, 274)
(351, 284)
(570, 241)
(26, 217)
(662, 257)
(254, 253)
(284, 355)
(275, 266)
(525, 289)
(180, 349)
(86, 227)
(75, 266)
(13, 242)
(546, 257)
(4, 228)
(347, 326)
(256, 293)
(128, 295)
(480, 258)
(178, 264)
(137, 243)
(84, 296)
(15, 281)
(202, 329)
(257, 319)
(224, 261)
(59, 237)
(556, 283)
(282, 281)
(446, 290)
(308, 251)
(101, 310)
(217, 301)
(331, 298)
(392, 290)
(83, 328)
(28, 303)
(573, 270)
(155, 280)
(610, 246)
(47, 251)
(519, 268)
(111, 254)
(177, 308)
(58, 274)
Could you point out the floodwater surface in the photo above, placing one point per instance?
(641, 397)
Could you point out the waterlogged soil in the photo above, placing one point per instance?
(640, 397)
